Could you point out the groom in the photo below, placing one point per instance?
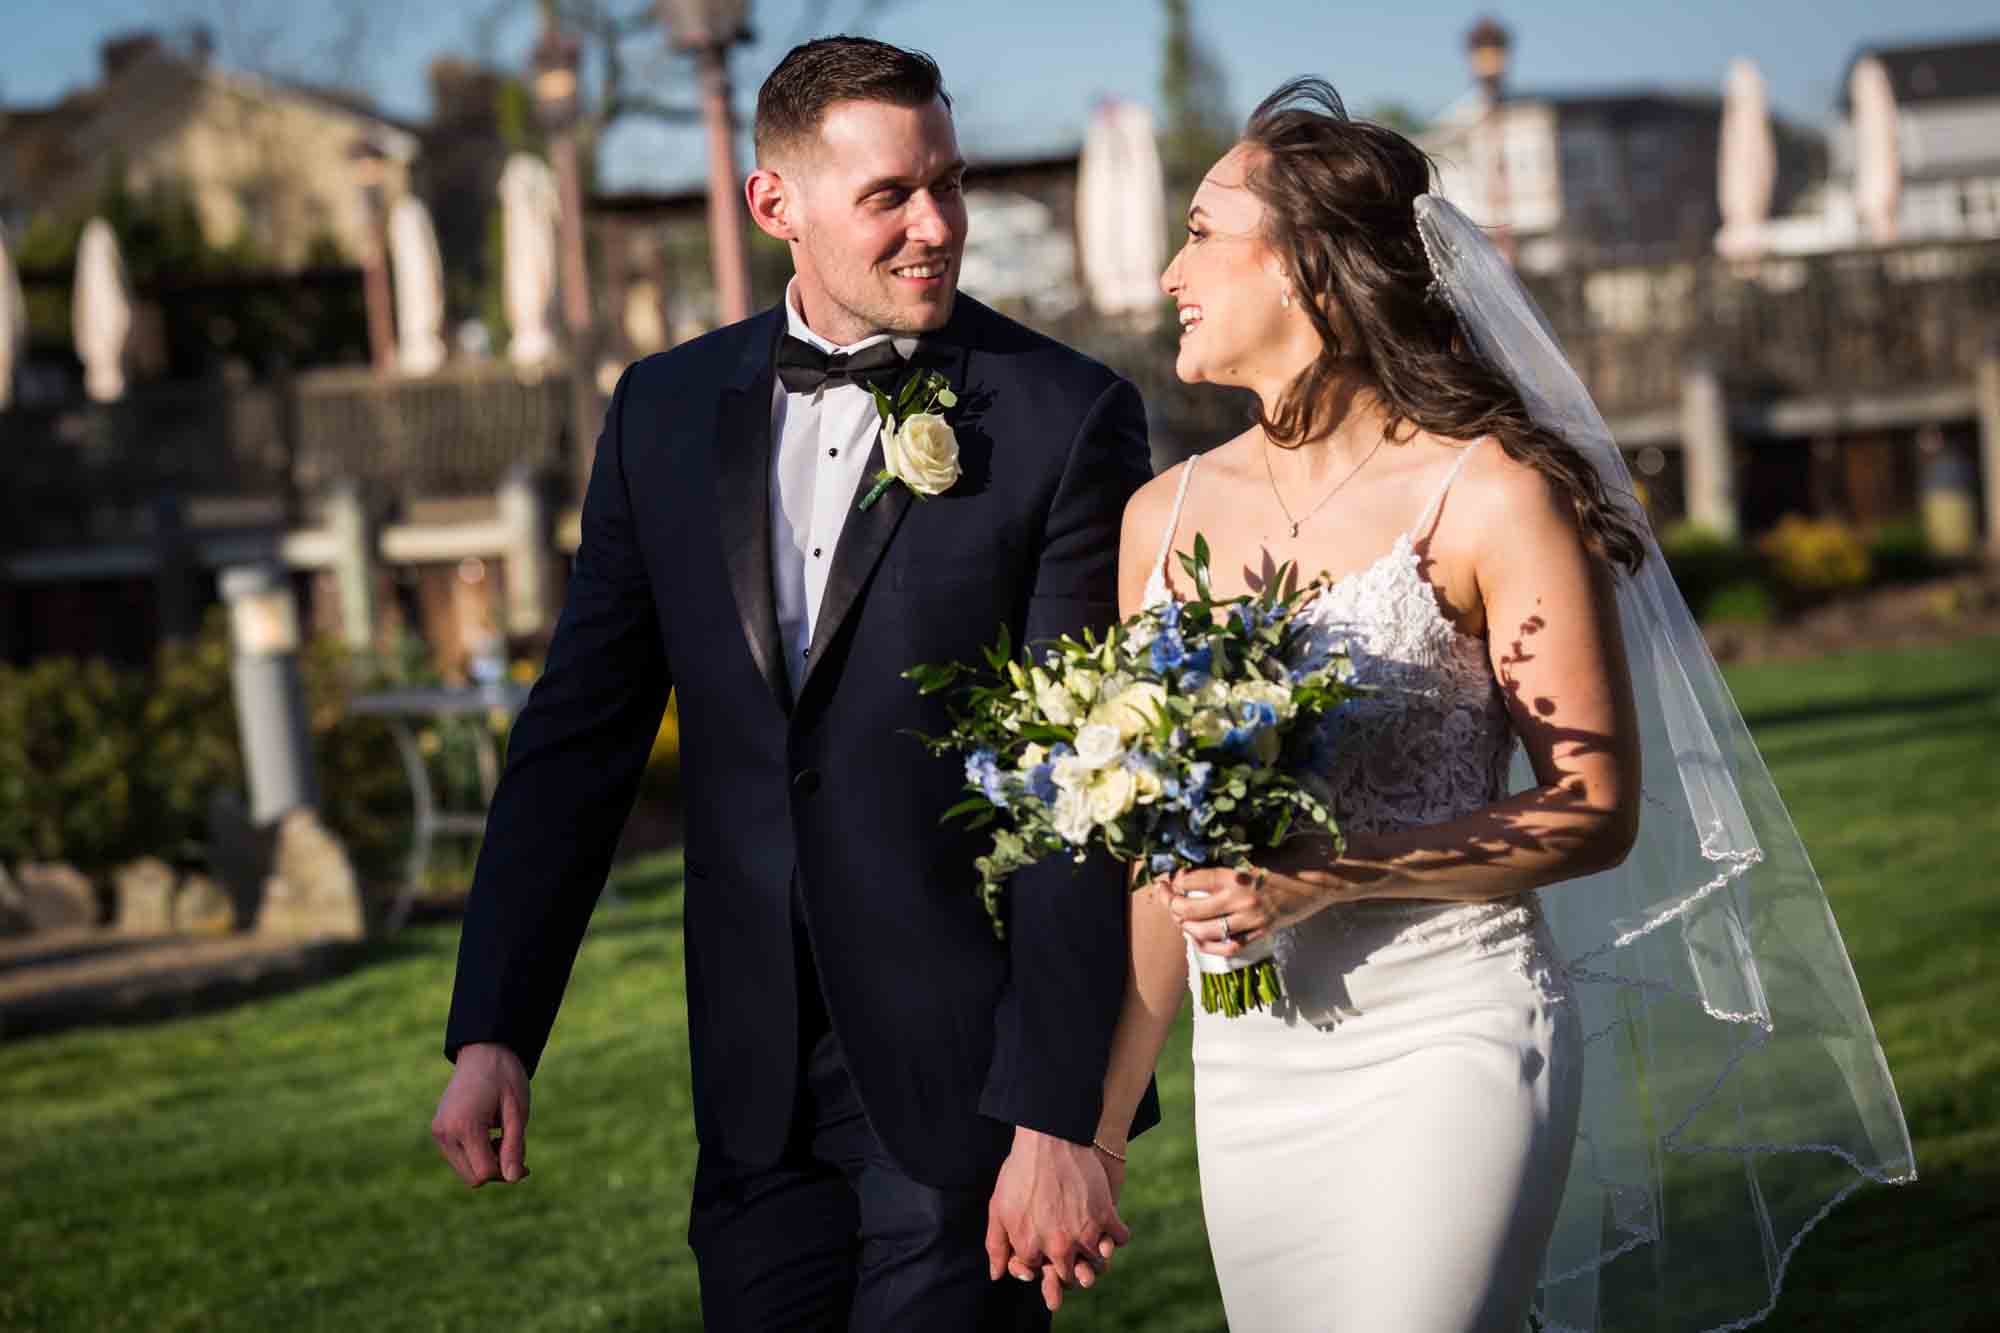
(883, 1091)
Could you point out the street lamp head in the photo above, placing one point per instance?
(554, 80)
(263, 614)
(699, 25)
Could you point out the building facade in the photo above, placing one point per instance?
(266, 164)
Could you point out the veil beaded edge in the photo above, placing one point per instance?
(1733, 1081)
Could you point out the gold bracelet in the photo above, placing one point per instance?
(1114, 1156)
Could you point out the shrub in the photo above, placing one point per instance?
(1704, 562)
(363, 794)
(187, 734)
(1814, 558)
(71, 767)
(1900, 552)
(99, 766)
(1744, 602)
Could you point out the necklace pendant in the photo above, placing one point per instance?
(1295, 530)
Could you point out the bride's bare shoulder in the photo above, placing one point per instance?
(1497, 486)
(1152, 503)
(1156, 497)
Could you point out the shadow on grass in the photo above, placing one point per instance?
(1865, 732)
(1874, 707)
(1914, 1257)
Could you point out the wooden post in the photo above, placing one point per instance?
(529, 559)
(1988, 379)
(1708, 451)
(356, 541)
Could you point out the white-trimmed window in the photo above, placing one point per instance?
(1982, 207)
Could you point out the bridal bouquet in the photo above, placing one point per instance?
(1177, 739)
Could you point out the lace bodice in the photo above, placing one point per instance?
(1430, 742)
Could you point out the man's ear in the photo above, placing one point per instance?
(770, 205)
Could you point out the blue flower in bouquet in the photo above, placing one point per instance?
(1256, 715)
(983, 771)
(1189, 846)
(1042, 783)
(1198, 777)
(1168, 651)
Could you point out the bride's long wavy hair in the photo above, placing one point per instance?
(1339, 197)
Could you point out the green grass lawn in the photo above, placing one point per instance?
(270, 1168)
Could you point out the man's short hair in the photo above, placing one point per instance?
(812, 77)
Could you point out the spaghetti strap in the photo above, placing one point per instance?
(1430, 510)
(1156, 583)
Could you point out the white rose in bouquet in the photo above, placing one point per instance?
(1099, 745)
(1112, 792)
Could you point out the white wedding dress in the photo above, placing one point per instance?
(1387, 1151)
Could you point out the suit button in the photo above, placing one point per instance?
(806, 781)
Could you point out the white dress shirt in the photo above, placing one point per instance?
(823, 441)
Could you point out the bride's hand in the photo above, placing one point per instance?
(1224, 910)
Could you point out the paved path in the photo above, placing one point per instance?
(67, 978)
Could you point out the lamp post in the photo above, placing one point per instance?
(1488, 45)
(706, 29)
(270, 696)
(554, 86)
(369, 166)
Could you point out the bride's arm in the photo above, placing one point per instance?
(1559, 657)
(1155, 983)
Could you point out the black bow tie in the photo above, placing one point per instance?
(803, 367)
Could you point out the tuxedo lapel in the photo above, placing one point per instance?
(867, 533)
(745, 452)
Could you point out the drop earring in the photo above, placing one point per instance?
(1285, 298)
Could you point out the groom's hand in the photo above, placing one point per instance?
(488, 1090)
(1051, 1205)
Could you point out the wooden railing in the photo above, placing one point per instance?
(71, 470)
(1824, 328)
(1834, 325)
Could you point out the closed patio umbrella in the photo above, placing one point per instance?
(1748, 167)
(1878, 175)
(528, 211)
(1121, 213)
(13, 323)
(101, 312)
(419, 275)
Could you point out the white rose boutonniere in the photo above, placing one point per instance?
(919, 448)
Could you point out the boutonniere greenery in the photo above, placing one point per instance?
(918, 447)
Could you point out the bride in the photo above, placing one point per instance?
(1475, 1098)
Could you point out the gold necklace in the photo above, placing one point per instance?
(1279, 497)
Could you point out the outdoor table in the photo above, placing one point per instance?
(405, 711)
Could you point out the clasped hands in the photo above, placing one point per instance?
(1054, 1214)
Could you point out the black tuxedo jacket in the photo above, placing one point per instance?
(952, 1037)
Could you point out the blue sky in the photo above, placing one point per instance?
(1026, 72)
